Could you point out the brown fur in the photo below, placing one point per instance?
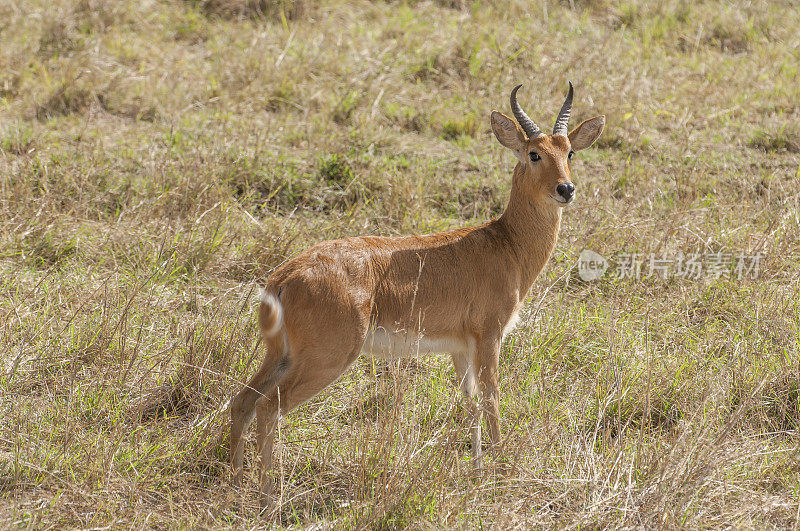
(466, 284)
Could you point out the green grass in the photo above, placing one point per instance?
(159, 158)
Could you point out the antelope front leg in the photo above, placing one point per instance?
(465, 371)
(488, 358)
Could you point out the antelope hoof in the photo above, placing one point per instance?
(266, 502)
(236, 480)
(477, 462)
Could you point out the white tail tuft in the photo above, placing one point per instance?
(273, 316)
(264, 295)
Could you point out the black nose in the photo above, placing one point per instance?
(565, 190)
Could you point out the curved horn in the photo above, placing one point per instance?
(563, 115)
(530, 128)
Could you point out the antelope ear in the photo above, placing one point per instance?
(509, 134)
(586, 133)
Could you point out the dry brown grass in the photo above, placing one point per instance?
(157, 158)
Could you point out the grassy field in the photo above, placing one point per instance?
(159, 157)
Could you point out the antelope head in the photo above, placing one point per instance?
(544, 175)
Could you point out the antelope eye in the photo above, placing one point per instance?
(535, 156)
(569, 155)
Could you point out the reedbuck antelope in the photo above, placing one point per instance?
(455, 292)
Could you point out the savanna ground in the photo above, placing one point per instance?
(158, 158)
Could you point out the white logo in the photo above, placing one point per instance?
(591, 265)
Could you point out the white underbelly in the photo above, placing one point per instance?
(386, 344)
(512, 321)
